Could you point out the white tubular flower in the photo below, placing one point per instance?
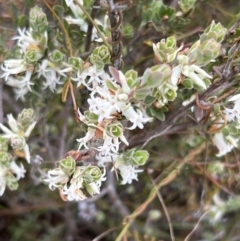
(83, 141)
(52, 74)
(18, 134)
(176, 74)
(103, 159)
(189, 71)
(19, 171)
(13, 66)
(52, 80)
(233, 113)
(73, 193)
(25, 39)
(127, 172)
(96, 76)
(108, 146)
(80, 79)
(56, 178)
(136, 117)
(3, 183)
(223, 146)
(192, 71)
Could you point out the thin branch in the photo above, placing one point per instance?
(168, 179)
(90, 26)
(196, 226)
(165, 210)
(221, 85)
(95, 25)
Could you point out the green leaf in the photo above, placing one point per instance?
(187, 83)
(58, 9)
(149, 100)
(158, 113)
(21, 21)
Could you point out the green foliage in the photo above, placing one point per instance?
(170, 54)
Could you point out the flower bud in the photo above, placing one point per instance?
(114, 129)
(18, 143)
(214, 31)
(205, 52)
(136, 158)
(32, 56)
(92, 174)
(76, 63)
(11, 182)
(26, 117)
(3, 144)
(68, 165)
(57, 57)
(131, 76)
(166, 50)
(38, 20)
(5, 159)
(100, 56)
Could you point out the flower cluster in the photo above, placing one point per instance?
(30, 61)
(75, 182)
(160, 83)
(227, 138)
(20, 129)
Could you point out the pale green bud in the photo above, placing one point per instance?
(156, 76)
(38, 20)
(140, 157)
(76, 63)
(3, 144)
(100, 56)
(215, 31)
(18, 143)
(114, 129)
(205, 52)
(57, 57)
(186, 5)
(32, 56)
(92, 174)
(68, 165)
(166, 50)
(26, 117)
(11, 181)
(5, 159)
(168, 92)
(135, 158)
(131, 76)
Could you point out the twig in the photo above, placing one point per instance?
(95, 25)
(122, 209)
(221, 85)
(90, 26)
(115, 18)
(169, 178)
(165, 210)
(196, 226)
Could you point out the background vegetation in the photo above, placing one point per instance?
(179, 160)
